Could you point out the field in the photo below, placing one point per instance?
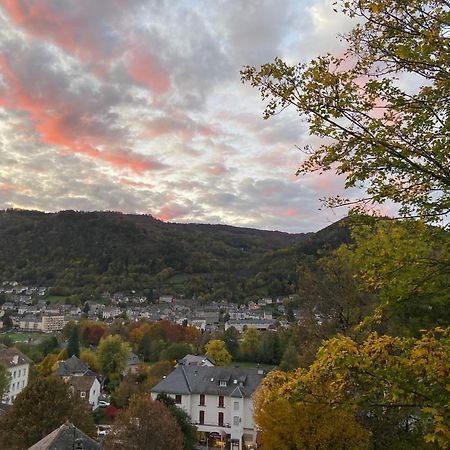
(24, 337)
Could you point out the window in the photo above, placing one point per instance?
(236, 420)
(178, 399)
(222, 383)
(14, 374)
(221, 401)
(202, 399)
(83, 394)
(236, 406)
(201, 417)
(221, 419)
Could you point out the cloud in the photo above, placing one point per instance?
(136, 106)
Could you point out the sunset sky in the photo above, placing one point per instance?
(137, 106)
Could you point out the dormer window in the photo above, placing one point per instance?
(223, 383)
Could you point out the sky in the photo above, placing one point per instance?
(137, 106)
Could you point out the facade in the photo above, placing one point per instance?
(218, 400)
(51, 323)
(132, 364)
(87, 387)
(18, 366)
(30, 323)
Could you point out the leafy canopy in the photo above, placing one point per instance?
(391, 140)
(399, 382)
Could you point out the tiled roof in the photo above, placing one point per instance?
(71, 366)
(195, 360)
(83, 383)
(7, 357)
(66, 437)
(206, 380)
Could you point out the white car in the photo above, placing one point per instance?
(103, 404)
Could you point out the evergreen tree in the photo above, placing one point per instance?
(73, 346)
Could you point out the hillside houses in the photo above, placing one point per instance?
(33, 313)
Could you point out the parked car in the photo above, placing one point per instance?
(103, 404)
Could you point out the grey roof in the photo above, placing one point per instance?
(66, 437)
(206, 380)
(195, 360)
(7, 357)
(83, 383)
(71, 366)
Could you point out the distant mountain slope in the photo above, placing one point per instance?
(90, 252)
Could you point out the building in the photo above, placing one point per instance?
(87, 387)
(67, 436)
(73, 367)
(244, 324)
(219, 401)
(52, 323)
(196, 360)
(132, 364)
(30, 323)
(18, 366)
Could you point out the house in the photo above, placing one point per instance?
(219, 401)
(132, 365)
(18, 366)
(196, 360)
(73, 367)
(67, 436)
(83, 380)
(87, 387)
(244, 324)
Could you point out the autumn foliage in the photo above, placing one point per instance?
(361, 385)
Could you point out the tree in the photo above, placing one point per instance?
(4, 380)
(89, 358)
(73, 346)
(145, 425)
(393, 141)
(407, 265)
(112, 355)
(175, 351)
(249, 348)
(184, 421)
(231, 338)
(217, 350)
(40, 408)
(396, 387)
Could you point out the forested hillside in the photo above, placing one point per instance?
(85, 253)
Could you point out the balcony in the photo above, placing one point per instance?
(215, 425)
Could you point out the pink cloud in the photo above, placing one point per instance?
(171, 212)
(74, 32)
(71, 132)
(217, 170)
(288, 212)
(146, 69)
(7, 186)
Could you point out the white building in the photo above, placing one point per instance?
(51, 323)
(87, 387)
(218, 400)
(18, 366)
